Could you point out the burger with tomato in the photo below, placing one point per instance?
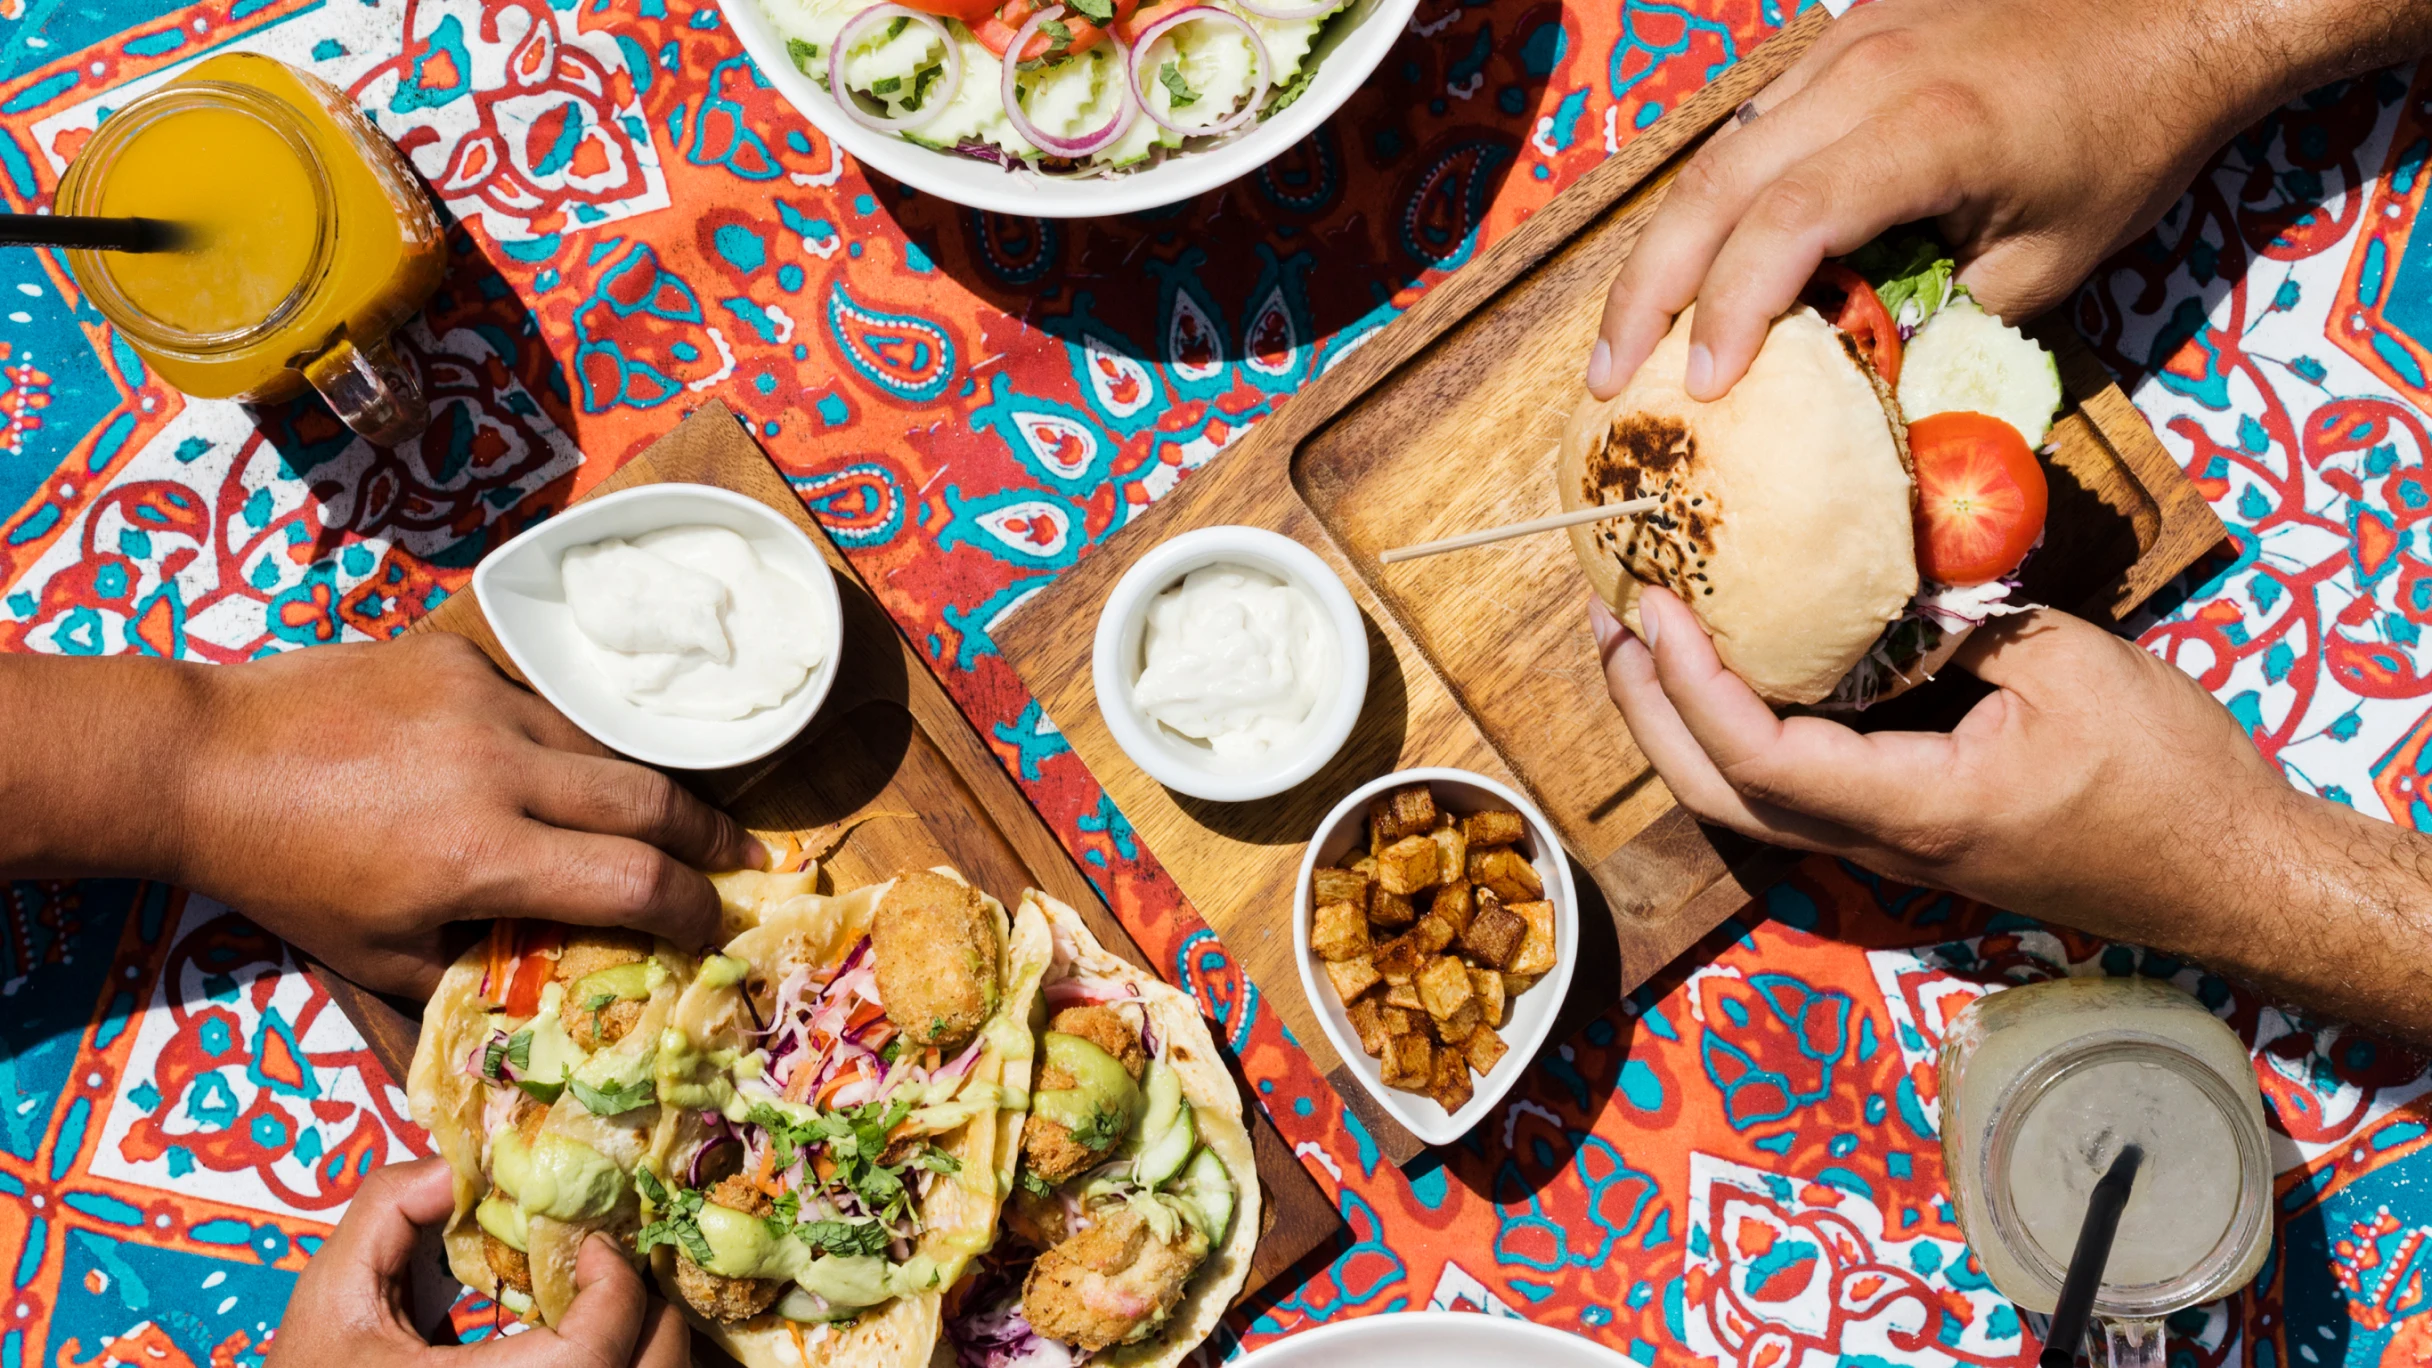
(1857, 504)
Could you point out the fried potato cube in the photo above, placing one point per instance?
(1455, 903)
(1445, 988)
(1452, 855)
(1368, 1023)
(1494, 827)
(1407, 866)
(1494, 937)
(1351, 858)
(1448, 1080)
(1407, 811)
(1390, 910)
(1432, 934)
(1536, 953)
(1501, 869)
(1483, 898)
(1339, 886)
(1354, 976)
(1454, 1030)
(1339, 931)
(1399, 960)
(1485, 1049)
(1405, 995)
(1516, 984)
(1409, 1061)
(1491, 1001)
(1364, 866)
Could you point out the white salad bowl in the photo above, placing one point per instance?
(521, 593)
(1532, 1013)
(1176, 761)
(1348, 50)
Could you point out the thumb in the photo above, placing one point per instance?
(609, 1302)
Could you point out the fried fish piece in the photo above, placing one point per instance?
(721, 1298)
(588, 951)
(1048, 1149)
(1113, 1283)
(938, 959)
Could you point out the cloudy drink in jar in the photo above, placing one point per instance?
(2041, 1088)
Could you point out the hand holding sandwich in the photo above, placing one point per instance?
(350, 1306)
(2098, 787)
(2040, 135)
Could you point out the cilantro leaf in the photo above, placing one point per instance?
(802, 53)
(1170, 76)
(1037, 1186)
(936, 1160)
(616, 1098)
(1103, 1128)
(598, 1001)
(843, 1237)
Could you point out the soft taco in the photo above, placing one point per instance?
(534, 1077)
(845, 1084)
(1136, 1205)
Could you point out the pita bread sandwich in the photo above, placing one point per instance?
(1135, 1204)
(534, 1077)
(1857, 504)
(842, 1088)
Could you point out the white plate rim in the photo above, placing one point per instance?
(1346, 1334)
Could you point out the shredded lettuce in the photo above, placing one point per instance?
(1911, 273)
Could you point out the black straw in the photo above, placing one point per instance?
(92, 234)
(2086, 1265)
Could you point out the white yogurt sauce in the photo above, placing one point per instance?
(1236, 659)
(688, 622)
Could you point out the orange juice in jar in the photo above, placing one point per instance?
(308, 241)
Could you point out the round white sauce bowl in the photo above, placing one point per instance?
(522, 593)
(1191, 767)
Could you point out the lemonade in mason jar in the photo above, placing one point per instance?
(309, 241)
(2041, 1088)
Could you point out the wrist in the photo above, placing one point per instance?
(95, 759)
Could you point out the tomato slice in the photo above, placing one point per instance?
(1859, 313)
(1981, 497)
(995, 32)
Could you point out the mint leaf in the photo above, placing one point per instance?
(928, 77)
(493, 1058)
(888, 86)
(679, 1222)
(519, 1049)
(802, 53)
(1095, 11)
(896, 29)
(843, 1237)
(615, 1099)
(1170, 76)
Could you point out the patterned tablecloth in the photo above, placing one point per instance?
(1736, 1165)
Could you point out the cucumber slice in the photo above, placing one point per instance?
(1965, 360)
(1166, 1149)
(1208, 1190)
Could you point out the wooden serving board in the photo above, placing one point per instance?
(1482, 659)
(888, 745)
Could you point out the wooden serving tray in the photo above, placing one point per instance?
(1482, 659)
(889, 744)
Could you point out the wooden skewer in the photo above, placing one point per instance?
(1549, 523)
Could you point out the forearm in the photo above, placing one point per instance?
(2271, 51)
(93, 765)
(2309, 901)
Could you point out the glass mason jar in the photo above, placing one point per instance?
(312, 241)
(2042, 1086)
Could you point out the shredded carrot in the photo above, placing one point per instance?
(765, 1179)
(798, 1082)
(823, 1166)
(800, 1347)
(502, 961)
(860, 1070)
(929, 1059)
(863, 1015)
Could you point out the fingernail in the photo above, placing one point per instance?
(1602, 623)
(1701, 370)
(1646, 621)
(1600, 364)
(757, 855)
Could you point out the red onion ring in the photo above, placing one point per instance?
(938, 99)
(1138, 63)
(1009, 87)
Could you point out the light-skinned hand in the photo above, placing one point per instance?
(2038, 135)
(2096, 787)
(350, 1306)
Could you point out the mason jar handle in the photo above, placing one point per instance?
(370, 390)
(2127, 1343)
